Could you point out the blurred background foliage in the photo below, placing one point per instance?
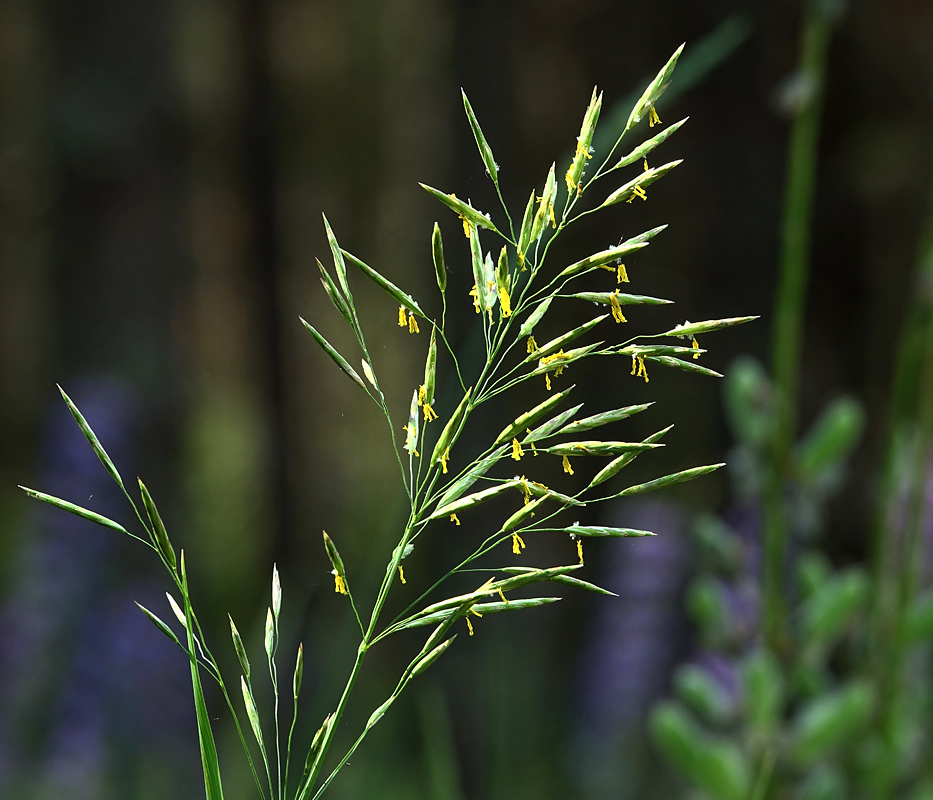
(163, 167)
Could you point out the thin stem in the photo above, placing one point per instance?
(789, 306)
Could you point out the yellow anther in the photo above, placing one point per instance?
(646, 164)
(517, 544)
(444, 456)
(637, 192)
(401, 573)
(532, 344)
(616, 307)
(469, 625)
(340, 586)
(653, 118)
(517, 451)
(547, 380)
(412, 324)
(422, 394)
(696, 346)
(474, 293)
(467, 225)
(642, 371)
(622, 275)
(453, 518)
(429, 413)
(580, 550)
(506, 303)
(402, 319)
(551, 210)
(567, 468)
(504, 598)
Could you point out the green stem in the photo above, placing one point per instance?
(789, 308)
(896, 568)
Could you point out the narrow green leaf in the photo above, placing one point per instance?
(176, 609)
(437, 252)
(276, 592)
(161, 535)
(386, 285)
(92, 439)
(689, 329)
(213, 786)
(431, 657)
(338, 359)
(299, 671)
(647, 146)
(584, 143)
(654, 91)
(334, 557)
(78, 511)
(686, 366)
(669, 480)
(552, 426)
(624, 460)
(482, 608)
(252, 712)
(525, 512)
(411, 429)
(530, 417)
(238, 646)
(339, 264)
(464, 210)
(598, 448)
(492, 169)
(558, 361)
(601, 258)
(556, 344)
(545, 211)
(451, 428)
(334, 293)
(474, 499)
(565, 580)
(535, 317)
(604, 298)
(475, 473)
(269, 638)
(659, 350)
(379, 713)
(598, 420)
(643, 180)
(597, 530)
(159, 624)
(430, 369)
(524, 236)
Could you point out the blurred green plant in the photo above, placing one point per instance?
(833, 699)
(515, 285)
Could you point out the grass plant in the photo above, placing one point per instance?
(514, 285)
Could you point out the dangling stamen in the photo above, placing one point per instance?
(401, 573)
(517, 451)
(653, 118)
(580, 550)
(402, 319)
(412, 324)
(567, 468)
(517, 544)
(453, 518)
(696, 346)
(622, 276)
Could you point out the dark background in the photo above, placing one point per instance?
(163, 169)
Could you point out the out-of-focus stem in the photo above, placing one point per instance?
(897, 558)
(789, 306)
